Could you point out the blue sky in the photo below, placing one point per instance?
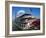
(34, 11)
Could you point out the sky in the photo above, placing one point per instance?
(32, 10)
